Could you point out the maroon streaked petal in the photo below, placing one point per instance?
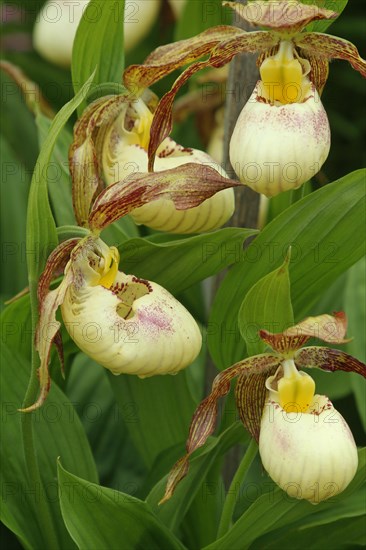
(48, 328)
(286, 15)
(329, 360)
(331, 47)
(204, 419)
(250, 391)
(319, 69)
(55, 265)
(83, 156)
(166, 59)
(281, 343)
(187, 186)
(47, 331)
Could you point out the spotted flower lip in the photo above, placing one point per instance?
(277, 372)
(125, 148)
(311, 456)
(126, 324)
(276, 147)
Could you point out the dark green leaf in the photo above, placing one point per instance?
(97, 518)
(179, 264)
(266, 306)
(98, 44)
(58, 432)
(173, 511)
(334, 5)
(160, 410)
(319, 231)
(354, 306)
(58, 175)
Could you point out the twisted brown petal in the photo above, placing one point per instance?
(319, 69)
(84, 165)
(329, 360)
(166, 59)
(204, 419)
(47, 332)
(187, 186)
(286, 15)
(331, 47)
(250, 391)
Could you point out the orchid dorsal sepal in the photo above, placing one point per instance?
(284, 16)
(329, 328)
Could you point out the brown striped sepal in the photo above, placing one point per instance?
(329, 47)
(287, 15)
(48, 328)
(329, 328)
(186, 186)
(328, 359)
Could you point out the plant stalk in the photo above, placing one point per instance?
(234, 489)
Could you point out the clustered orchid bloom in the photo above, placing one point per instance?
(304, 443)
(125, 147)
(127, 324)
(282, 136)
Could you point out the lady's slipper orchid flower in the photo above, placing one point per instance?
(125, 148)
(127, 324)
(282, 135)
(305, 444)
(58, 20)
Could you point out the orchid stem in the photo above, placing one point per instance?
(234, 489)
(30, 455)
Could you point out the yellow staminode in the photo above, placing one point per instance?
(296, 389)
(110, 268)
(282, 75)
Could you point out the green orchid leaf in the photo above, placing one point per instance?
(58, 433)
(197, 17)
(275, 509)
(173, 511)
(98, 44)
(318, 230)
(178, 264)
(98, 517)
(267, 305)
(41, 229)
(158, 404)
(355, 295)
(14, 190)
(58, 175)
(334, 5)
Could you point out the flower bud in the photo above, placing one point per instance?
(57, 22)
(310, 455)
(126, 324)
(125, 152)
(278, 146)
